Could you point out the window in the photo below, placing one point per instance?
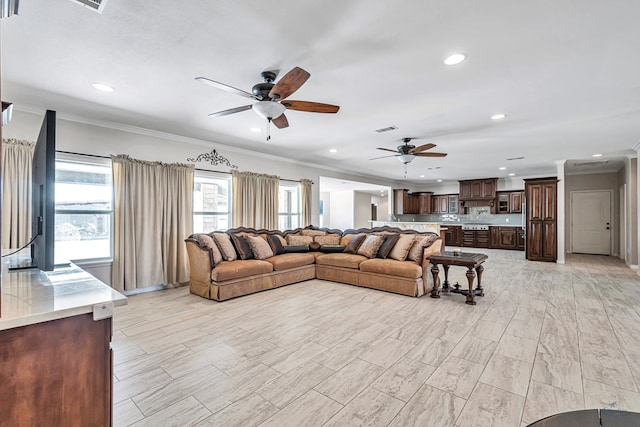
(289, 205)
(84, 212)
(211, 202)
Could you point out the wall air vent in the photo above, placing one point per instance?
(97, 5)
(516, 158)
(590, 164)
(387, 129)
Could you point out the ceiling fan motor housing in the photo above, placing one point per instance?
(261, 90)
(406, 148)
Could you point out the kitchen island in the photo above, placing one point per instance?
(434, 227)
(55, 355)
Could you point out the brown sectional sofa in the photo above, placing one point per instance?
(217, 276)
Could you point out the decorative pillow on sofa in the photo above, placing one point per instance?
(276, 244)
(370, 246)
(226, 247)
(207, 241)
(419, 243)
(354, 244)
(259, 247)
(328, 239)
(401, 248)
(312, 233)
(329, 249)
(299, 240)
(314, 246)
(344, 240)
(242, 247)
(388, 244)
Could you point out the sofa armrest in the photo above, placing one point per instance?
(200, 261)
(427, 277)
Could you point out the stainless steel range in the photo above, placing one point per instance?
(476, 227)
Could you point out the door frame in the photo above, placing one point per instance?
(611, 217)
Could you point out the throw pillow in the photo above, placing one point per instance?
(312, 233)
(417, 249)
(344, 240)
(388, 244)
(328, 249)
(226, 247)
(370, 246)
(354, 244)
(401, 248)
(314, 246)
(276, 244)
(208, 242)
(259, 247)
(329, 239)
(299, 240)
(242, 247)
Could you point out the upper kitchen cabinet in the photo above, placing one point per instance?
(444, 204)
(478, 189)
(411, 203)
(510, 202)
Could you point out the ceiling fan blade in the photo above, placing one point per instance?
(312, 107)
(420, 148)
(281, 121)
(226, 88)
(387, 149)
(430, 154)
(384, 157)
(230, 111)
(289, 83)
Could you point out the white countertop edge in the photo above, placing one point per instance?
(32, 319)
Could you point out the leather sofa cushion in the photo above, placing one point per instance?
(392, 267)
(287, 261)
(240, 268)
(340, 260)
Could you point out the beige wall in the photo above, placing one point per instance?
(632, 199)
(591, 182)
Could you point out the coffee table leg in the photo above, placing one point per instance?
(470, 276)
(445, 285)
(479, 288)
(435, 292)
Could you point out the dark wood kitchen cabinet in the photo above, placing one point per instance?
(478, 189)
(411, 203)
(453, 235)
(504, 237)
(444, 204)
(541, 219)
(510, 202)
(476, 238)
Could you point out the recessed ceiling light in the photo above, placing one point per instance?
(597, 155)
(102, 87)
(512, 174)
(499, 116)
(455, 59)
(502, 168)
(439, 180)
(255, 130)
(421, 176)
(333, 150)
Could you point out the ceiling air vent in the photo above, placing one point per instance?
(97, 5)
(591, 164)
(386, 129)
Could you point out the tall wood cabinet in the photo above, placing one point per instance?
(541, 219)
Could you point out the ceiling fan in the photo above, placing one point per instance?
(271, 97)
(407, 152)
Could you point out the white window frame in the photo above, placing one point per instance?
(88, 160)
(215, 175)
(290, 213)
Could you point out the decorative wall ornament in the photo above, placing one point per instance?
(214, 158)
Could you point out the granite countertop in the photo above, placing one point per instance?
(34, 296)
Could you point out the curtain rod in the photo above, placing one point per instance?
(200, 170)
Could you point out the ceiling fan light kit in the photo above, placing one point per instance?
(269, 109)
(406, 158)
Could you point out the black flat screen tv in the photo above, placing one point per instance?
(43, 177)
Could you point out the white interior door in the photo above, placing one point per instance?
(591, 222)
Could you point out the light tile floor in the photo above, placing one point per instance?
(546, 338)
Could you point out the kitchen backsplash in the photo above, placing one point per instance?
(481, 216)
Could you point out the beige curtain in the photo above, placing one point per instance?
(153, 214)
(305, 195)
(255, 200)
(16, 192)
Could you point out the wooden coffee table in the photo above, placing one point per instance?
(473, 262)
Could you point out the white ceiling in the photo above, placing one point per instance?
(565, 73)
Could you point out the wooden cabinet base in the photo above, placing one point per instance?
(56, 373)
